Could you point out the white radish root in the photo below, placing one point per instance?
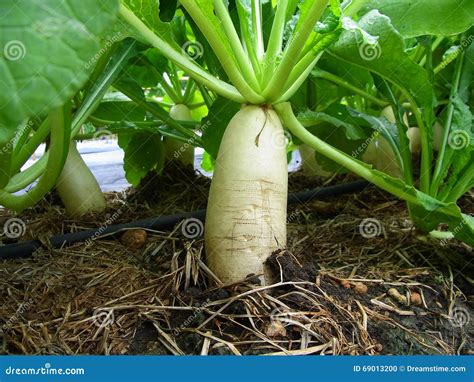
(246, 213)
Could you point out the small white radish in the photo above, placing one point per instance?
(177, 150)
(413, 134)
(380, 155)
(77, 186)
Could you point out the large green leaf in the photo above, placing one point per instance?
(426, 17)
(119, 111)
(48, 49)
(144, 152)
(386, 57)
(340, 128)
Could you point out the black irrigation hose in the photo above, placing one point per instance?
(25, 249)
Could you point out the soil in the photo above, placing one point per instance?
(356, 278)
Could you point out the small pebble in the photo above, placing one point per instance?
(360, 288)
(346, 284)
(415, 299)
(275, 329)
(134, 239)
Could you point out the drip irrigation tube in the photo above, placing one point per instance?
(26, 249)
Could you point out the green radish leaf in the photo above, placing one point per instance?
(70, 32)
(426, 17)
(130, 127)
(460, 146)
(215, 124)
(208, 162)
(144, 153)
(384, 54)
(429, 212)
(467, 76)
(338, 116)
(353, 74)
(149, 12)
(339, 128)
(119, 111)
(387, 129)
(148, 68)
(100, 83)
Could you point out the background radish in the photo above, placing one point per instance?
(175, 149)
(77, 186)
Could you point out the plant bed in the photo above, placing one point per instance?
(340, 287)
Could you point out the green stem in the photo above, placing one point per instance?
(157, 111)
(354, 7)
(174, 77)
(205, 96)
(180, 59)
(257, 28)
(426, 148)
(462, 185)
(275, 42)
(25, 135)
(29, 148)
(406, 160)
(100, 67)
(339, 81)
(298, 81)
(219, 47)
(60, 129)
(234, 41)
(285, 112)
(305, 27)
(435, 44)
(440, 167)
(169, 90)
(24, 179)
(189, 92)
(98, 90)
